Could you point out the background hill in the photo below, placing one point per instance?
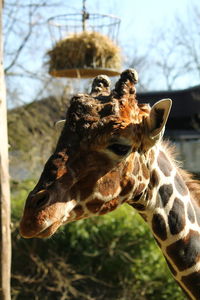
(32, 135)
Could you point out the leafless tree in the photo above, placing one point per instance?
(5, 234)
(175, 52)
(26, 41)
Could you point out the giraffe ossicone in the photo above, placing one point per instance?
(110, 151)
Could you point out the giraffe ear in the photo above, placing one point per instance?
(60, 124)
(158, 117)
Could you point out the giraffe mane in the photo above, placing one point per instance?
(191, 182)
(193, 185)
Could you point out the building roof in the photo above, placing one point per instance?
(185, 113)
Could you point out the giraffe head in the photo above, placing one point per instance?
(100, 158)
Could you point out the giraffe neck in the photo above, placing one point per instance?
(174, 218)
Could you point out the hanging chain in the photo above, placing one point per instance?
(85, 16)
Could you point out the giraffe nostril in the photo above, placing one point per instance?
(41, 199)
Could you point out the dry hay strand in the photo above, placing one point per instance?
(85, 50)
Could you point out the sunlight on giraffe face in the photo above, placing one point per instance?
(97, 164)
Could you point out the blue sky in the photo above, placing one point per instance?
(139, 18)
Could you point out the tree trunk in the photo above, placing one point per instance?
(5, 236)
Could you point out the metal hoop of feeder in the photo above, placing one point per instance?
(84, 45)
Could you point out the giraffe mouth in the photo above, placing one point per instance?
(48, 231)
(35, 227)
(45, 232)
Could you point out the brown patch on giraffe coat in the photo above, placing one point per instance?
(164, 164)
(140, 178)
(190, 213)
(109, 184)
(137, 198)
(165, 192)
(138, 206)
(109, 206)
(149, 194)
(127, 186)
(85, 193)
(94, 205)
(84, 189)
(145, 171)
(159, 226)
(176, 218)
(136, 167)
(180, 185)
(171, 267)
(192, 282)
(151, 157)
(139, 191)
(185, 253)
(78, 211)
(154, 179)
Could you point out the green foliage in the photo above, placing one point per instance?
(19, 192)
(108, 257)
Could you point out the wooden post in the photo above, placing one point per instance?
(5, 235)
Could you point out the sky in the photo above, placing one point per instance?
(140, 21)
(139, 18)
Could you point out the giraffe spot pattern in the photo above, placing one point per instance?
(159, 227)
(137, 198)
(78, 211)
(164, 164)
(176, 218)
(180, 185)
(190, 213)
(145, 171)
(139, 192)
(109, 206)
(151, 157)
(154, 179)
(185, 252)
(149, 194)
(94, 205)
(192, 282)
(138, 206)
(109, 185)
(127, 186)
(140, 188)
(136, 167)
(165, 192)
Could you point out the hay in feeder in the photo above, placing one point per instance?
(84, 50)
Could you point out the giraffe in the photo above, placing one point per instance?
(111, 151)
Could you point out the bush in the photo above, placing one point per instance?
(107, 257)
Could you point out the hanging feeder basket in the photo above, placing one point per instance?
(84, 46)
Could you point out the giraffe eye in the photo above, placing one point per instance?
(119, 149)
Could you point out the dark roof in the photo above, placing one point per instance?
(185, 113)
